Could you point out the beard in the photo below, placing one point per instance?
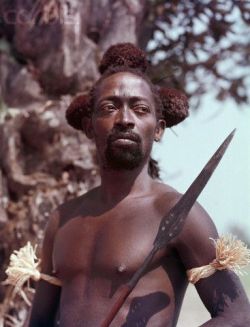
(126, 157)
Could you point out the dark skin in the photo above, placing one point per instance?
(96, 242)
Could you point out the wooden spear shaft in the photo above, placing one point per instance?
(126, 289)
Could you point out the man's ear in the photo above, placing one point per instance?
(161, 124)
(87, 127)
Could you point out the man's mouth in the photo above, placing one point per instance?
(123, 141)
(124, 138)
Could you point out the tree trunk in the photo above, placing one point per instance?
(52, 53)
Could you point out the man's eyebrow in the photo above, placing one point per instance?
(116, 97)
(139, 98)
(109, 97)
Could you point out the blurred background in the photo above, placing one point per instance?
(49, 53)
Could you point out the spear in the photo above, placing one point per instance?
(171, 225)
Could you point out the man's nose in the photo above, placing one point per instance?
(124, 118)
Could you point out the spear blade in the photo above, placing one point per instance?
(172, 223)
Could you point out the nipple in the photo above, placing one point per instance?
(121, 268)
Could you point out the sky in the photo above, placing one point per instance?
(184, 151)
(186, 148)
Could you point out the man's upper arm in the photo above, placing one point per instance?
(221, 293)
(47, 296)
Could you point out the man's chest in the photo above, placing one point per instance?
(107, 245)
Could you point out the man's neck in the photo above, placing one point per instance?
(118, 184)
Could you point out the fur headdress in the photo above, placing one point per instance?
(174, 103)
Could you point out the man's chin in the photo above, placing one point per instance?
(122, 165)
(123, 159)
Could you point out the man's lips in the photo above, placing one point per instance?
(127, 138)
(123, 141)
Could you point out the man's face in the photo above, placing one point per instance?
(124, 122)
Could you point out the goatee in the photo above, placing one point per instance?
(124, 156)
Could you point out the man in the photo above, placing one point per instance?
(95, 243)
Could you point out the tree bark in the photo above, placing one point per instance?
(52, 52)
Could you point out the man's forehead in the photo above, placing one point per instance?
(125, 84)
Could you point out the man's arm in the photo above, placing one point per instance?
(47, 296)
(221, 293)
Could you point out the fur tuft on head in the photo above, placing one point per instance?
(175, 106)
(124, 54)
(78, 109)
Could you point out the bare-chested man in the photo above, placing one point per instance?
(96, 242)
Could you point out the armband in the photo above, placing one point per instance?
(24, 265)
(231, 254)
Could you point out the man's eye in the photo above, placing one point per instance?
(141, 109)
(108, 107)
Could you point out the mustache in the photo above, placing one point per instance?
(124, 135)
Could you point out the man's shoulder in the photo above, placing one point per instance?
(74, 207)
(198, 229)
(197, 223)
(76, 201)
(166, 195)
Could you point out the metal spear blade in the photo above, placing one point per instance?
(172, 223)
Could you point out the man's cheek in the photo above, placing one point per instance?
(103, 127)
(149, 133)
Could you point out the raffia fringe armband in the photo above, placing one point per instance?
(231, 254)
(24, 265)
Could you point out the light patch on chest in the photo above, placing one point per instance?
(121, 268)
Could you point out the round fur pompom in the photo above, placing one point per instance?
(78, 108)
(175, 106)
(124, 54)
